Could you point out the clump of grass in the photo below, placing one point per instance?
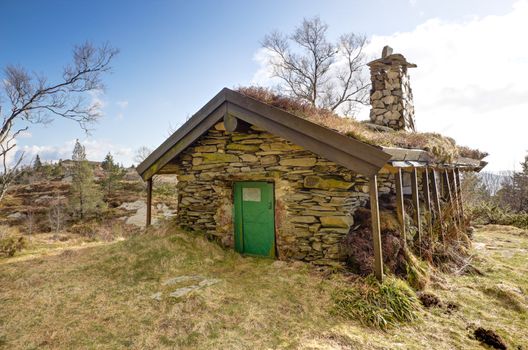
(375, 304)
(11, 241)
(441, 148)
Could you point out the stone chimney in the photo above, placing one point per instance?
(391, 95)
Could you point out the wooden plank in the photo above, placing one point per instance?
(416, 204)
(361, 157)
(460, 201)
(376, 232)
(427, 200)
(454, 190)
(436, 202)
(185, 142)
(400, 206)
(367, 153)
(336, 154)
(149, 202)
(451, 209)
(189, 125)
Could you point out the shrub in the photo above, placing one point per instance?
(84, 229)
(490, 213)
(380, 305)
(11, 242)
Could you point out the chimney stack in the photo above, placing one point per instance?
(391, 95)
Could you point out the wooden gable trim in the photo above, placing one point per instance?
(350, 153)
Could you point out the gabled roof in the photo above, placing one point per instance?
(346, 151)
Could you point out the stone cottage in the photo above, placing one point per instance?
(268, 181)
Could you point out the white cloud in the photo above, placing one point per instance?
(96, 100)
(470, 81)
(122, 104)
(264, 74)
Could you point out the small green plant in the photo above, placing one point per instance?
(375, 304)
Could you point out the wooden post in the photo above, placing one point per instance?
(460, 201)
(400, 207)
(450, 205)
(427, 199)
(454, 190)
(436, 202)
(149, 202)
(376, 233)
(416, 204)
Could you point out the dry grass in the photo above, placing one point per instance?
(443, 149)
(99, 297)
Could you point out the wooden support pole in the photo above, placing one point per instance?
(416, 204)
(149, 202)
(445, 185)
(460, 201)
(450, 204)
(454, 190)
(427, 199)
(376, 232)
(436, 202)
(400, 207)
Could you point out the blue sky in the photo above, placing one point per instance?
(176, 55)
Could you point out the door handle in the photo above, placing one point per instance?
(269, 205)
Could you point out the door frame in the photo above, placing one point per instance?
(238, 233)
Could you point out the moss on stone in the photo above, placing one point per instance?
(242, 147)
(306, 162)
(219, 158)
(326, 183)
(336, 221)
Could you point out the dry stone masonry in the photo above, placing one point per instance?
(391, 95)
(315, 199)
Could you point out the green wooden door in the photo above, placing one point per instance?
(254, 218)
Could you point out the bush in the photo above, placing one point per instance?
(375, 304)
(489, 213)
(11, 242)
(87, 230)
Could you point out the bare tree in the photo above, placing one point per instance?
(493, 181)
(32, 99)
(56, 213)
(141, 154)
(325, 74)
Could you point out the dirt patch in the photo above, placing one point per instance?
(358, 244)
(489, 337)
(452, 307)
(429, 300)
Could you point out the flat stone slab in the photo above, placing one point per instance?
(156, 296)
(181, 292)
(181, 279)
(198, 282)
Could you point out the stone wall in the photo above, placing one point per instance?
(391, 95)
(314, 198)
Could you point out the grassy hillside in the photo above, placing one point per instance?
(100, 296)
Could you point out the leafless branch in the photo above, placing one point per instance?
(322, 73)
(32, 99)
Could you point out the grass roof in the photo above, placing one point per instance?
(442, 148)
